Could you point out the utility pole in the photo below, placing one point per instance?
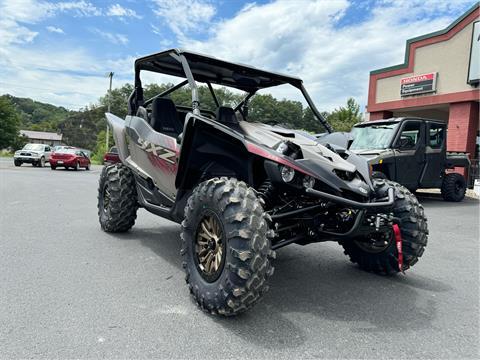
(110, 75)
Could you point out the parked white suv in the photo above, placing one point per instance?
(35, 154)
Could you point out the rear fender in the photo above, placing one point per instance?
(118, 128)
(457, 160)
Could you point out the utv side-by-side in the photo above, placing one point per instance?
(413, 152)
(241, 190)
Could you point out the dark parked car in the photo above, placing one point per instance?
(69, 158)
(111, 157)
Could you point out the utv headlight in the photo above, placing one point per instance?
(345, 175)
(287, 173)
(308, 182)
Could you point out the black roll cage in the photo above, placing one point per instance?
(154, 63)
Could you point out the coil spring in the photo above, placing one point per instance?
(266, 192)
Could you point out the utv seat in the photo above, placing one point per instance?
(226, 115)
(164, 117)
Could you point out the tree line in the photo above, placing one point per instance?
(86, 128)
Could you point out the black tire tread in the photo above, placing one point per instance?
(248, 261)
(123, 207)
(448, 187)
(414, 232)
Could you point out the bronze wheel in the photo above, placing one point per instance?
(225, 246)
(210, 247)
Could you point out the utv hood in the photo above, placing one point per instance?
(371, 155)
(322, 161)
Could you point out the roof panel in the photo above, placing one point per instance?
(207, 68)
(41, 135)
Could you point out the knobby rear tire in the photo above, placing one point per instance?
(120, 213)
(454, 187)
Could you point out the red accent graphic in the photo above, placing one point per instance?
(162, 164)
(398, 243)
(255, 149)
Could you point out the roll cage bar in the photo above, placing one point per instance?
(205, 69)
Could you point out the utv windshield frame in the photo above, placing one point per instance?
(195, 67)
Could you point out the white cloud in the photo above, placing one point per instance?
(32, 11)
(120, 11)
(79, 8)
(112, 37)
(27, 11)
(54, 29)
(68, 77)
(13, 33)
(281, 36)
(15, 15)
(184, 16)
(62, 75)
(308, 41)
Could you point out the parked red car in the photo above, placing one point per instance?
(111, 157)
(69, 158)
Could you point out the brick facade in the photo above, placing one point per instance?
(379, 115)
(462, 127)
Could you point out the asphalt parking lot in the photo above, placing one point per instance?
(69, 290)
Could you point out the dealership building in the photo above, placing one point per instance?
(42, 137)
(439, 79)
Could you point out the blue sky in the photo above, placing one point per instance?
(59, 51)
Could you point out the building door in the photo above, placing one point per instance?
(410, 153)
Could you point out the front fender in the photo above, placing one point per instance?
(204, 139)
(118, 128)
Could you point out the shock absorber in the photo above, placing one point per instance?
(266, 192)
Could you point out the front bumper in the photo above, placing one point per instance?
(26, 159)
(352, 203)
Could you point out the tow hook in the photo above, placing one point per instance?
(398, 243)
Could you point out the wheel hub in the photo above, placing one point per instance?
(376, 242)
(209, 247)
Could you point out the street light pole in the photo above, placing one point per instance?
(110, 75)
